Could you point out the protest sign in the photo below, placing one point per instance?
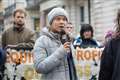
(19, 65)
(87, 62)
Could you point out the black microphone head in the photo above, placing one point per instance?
(62, 32)
(64, 37)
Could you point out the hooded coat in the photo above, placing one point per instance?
(50, 57)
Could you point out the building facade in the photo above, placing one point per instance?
(9, 7)
(78, 11)
(103, 15)
(34, 14)
(100, 14)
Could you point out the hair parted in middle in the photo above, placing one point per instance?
(84, 28)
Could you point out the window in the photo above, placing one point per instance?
(37, 24)
(82, 14)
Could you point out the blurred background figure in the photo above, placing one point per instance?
(69, 29)
(18, 35)
(108, 36)
(86, 37)
(86, 40)
(110, 59)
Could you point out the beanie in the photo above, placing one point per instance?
(56, 12)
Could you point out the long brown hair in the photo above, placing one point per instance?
(117, 25)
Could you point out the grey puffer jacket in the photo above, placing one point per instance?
(50, 58)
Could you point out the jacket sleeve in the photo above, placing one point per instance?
(106, 66)
(77, 42)
(2, 57)
(30, 42)
(3, 39)
(44, 63)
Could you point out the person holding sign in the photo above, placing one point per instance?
(85, 46)
(18, 36)
(86, 40)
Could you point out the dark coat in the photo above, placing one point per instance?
(85, 43)
(2, 62)
(110, 61)
(2, 57)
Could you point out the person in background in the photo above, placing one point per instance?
(69, 29)
(18, 36)
(86, 41)
(52, 58)
(110, 59)
(109, 35)
(86, 37)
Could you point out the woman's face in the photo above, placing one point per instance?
(58, 23)
(87, 34)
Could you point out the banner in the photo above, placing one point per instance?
(19, 66)
(87, 62)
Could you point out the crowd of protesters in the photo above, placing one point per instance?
(52, 51)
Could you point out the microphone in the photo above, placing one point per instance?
(72, 71)
(64, 37)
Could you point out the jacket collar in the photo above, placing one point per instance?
(55, 35)
(18, 29)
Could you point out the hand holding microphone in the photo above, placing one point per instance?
(67, 46)
(65, 40)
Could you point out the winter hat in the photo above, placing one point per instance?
(56, 12)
